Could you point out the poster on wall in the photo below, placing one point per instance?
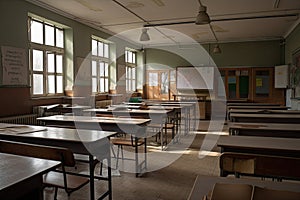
(14, 66)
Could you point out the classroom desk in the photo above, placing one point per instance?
(155, 115)
(252, 104)
(261, 111)
(120, 125)
(79, 141)
(265, 129)
(289, 147)
(261, 107)
(204, 184)
(265, 118)
(22, 177)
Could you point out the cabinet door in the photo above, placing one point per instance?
(263, 82)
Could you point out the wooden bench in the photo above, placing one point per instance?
(57, 178)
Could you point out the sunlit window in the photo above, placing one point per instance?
(130, 59)
(46, 58)
(100, 66)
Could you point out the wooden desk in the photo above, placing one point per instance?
(260, 145)
(22, 177)
(200, 98)
(260, 107)
(265, 129)
(252, 104)
(204, 184)
(86, 142)
(120, 125)
(265, 118)
(261, 111)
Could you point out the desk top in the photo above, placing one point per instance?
(11, 172)
(137, 111)
(264, 126)
(252, 104)
(253, 142)
(259, 107)
(87, 119)
(263, 115)
(54, 133)
(204, 184)
(264, 111)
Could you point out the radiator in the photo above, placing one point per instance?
(29, 119)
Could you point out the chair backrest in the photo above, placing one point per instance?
(64, 155)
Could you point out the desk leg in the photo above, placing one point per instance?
(109, 179)
(92, 168)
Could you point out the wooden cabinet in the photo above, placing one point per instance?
(254, 84)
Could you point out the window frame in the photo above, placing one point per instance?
(46, 49)
(104, 58)
(130, 64)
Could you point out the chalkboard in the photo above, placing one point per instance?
(195, 78)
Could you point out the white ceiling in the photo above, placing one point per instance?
(232, 20)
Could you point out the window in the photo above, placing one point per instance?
(130, 59)
(100, 66)
(46, 56)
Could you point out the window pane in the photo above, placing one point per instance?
(106, 70)
(59, 63)
(129, 73)
(51, 84)
(59, 84)
(37, 84)
(50, 61)
(37, 63)
(133, 57)
(36, 32)
(49, 35)
(100, 49)
(102, 89)
(94, 85)
(130, 57)
(129, 85)
(106, 51)
(59, 38)
(133, 73)
(101, 69)
(94, 47)
(133, 85)
(94, 68)
(106, 85)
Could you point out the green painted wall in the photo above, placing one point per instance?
(292, 44)
(265, 53)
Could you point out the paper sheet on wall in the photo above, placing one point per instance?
(259, 82)
(14, 66)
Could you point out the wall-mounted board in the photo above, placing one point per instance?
(195, 78)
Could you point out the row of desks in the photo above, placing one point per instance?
(86, 142)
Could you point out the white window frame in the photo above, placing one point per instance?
(100, 56)
(131, 67)
(46, 49)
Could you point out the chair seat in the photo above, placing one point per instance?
(166, 126)
(125, 141)
(56, 179)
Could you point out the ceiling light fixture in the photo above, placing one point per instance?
(144, 36)
(202, 17)
(217, 49)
